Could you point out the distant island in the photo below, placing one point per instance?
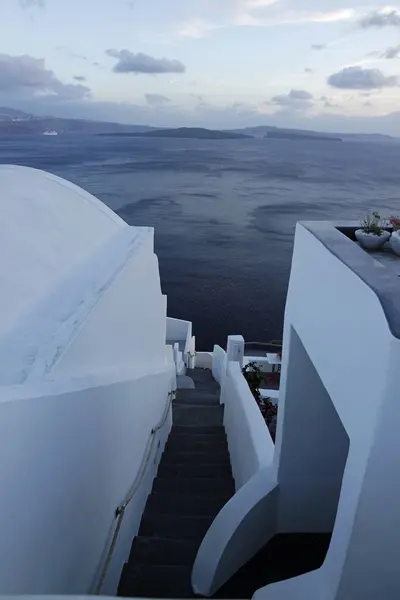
(197, 133)
(290, 135)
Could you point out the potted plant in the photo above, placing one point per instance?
(395, 237)
(371, 234)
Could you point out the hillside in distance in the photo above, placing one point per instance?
(198, 133)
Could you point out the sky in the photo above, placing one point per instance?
(329, 65)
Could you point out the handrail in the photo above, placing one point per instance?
(120, 510)
(274, 344)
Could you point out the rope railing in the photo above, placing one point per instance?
(120, 510)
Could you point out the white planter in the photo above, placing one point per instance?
(370, 241)
(395, 242)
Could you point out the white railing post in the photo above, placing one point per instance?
(192, 353)
(235, 349)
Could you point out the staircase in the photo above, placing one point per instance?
(193, 483)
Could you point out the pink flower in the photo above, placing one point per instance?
(395, 222)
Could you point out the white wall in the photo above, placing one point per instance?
(219, 364)
(48, 227)
(128, 324)
(244, 525)
(177, 329)
(342, 327)
(250, 444)
(314, 449)
(69, 460)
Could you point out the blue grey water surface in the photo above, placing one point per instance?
(224, 211)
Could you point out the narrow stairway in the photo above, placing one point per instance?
(193, 483)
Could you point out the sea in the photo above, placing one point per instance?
(224, 211)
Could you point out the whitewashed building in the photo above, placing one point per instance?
(89, 362)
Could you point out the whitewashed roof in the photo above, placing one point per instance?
(48, 228)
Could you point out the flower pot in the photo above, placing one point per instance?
(395, 242)
(371, 241)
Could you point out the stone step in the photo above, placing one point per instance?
(203, 471)
(198, 397)
(163, 551)
(175, 503)
(217, 430)
(189, 415)
(189, 443)
(194, 485)
(197, 458)
(178, 527)
(156, 581)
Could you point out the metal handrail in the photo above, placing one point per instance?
(120, 510)
(274, 344)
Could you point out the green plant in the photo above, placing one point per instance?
(372, 223)
(254, 377)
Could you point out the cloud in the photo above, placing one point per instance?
(156, 99)
(318, 46)
(298, 100)
(79, 78)
(28, 75)
(128, 62)
(293, 17)
(357, 78)
(392, 52)
(381, 18)
(198, 28)
(32, 3)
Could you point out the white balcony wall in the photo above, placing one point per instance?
(69, 459)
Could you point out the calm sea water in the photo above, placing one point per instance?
(224, 211)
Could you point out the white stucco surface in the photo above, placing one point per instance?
(48, 226)
(243, 421)
(334, 327)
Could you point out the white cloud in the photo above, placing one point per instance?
(294, 18)
(198, 28)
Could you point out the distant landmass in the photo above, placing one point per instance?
(198, 133)
(291, 135)
(18, 122)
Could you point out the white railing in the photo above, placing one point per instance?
(248, 521)
(250, 444)
(219, 364)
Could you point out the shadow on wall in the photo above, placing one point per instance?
(313, 448)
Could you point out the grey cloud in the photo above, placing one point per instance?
(308, 70)
(28, 75)
(318, 46)
(392, 52)
(379, 18)
(295, 100)
(156, 99)
(79, 78)
(357, 78)
(128, 62)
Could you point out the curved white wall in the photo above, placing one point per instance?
(47, 228)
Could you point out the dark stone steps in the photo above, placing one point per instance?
(197, 415)
(163, 551)
(196, 397)
(156, 581)
(193, 485)
(172, 471)
(178, 527)
(175, 503)
(194, 458)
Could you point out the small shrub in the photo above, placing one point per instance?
(254, 377)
